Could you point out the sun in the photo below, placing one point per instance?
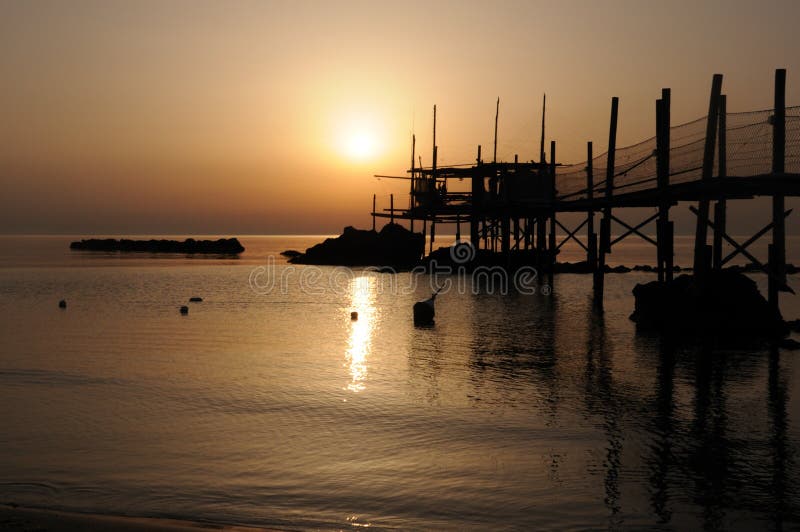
(360, 145)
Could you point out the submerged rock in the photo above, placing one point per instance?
(62, 303)
(184, 309)
(222, 246)
(291, 253)
(728, 305)
(393, 246)
(195, 299)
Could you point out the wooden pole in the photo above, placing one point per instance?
(777, 257)
(552, 207)
(591, 252)
(541, 141)
(720, 207)
(433, 234)
(605, 224)
(413, 180)
(373, 212)
(664, 239)
(475, 199)
(496, 115)
(391, 208)
(701, 258)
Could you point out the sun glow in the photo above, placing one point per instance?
(361, 145)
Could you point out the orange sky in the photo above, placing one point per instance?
(237, 117)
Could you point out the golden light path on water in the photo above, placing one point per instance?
(359, 344)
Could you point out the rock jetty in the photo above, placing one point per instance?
(223, 246)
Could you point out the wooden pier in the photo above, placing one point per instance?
(512, 207)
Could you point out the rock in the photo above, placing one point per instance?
(222, 246)
(184, 309)
(731, 307)
(291, 253)
(195, 299)
(393, 246)
(62, 304)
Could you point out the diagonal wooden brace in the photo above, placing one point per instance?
(781, 283)
(634, 230)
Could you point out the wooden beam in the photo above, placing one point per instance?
(750, 240)
(634, 230)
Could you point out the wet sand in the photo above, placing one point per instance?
(18, 518)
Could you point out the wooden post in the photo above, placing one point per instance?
(496, 115)
(541, 142)
(701, 230)
(476, 198)
(664, 236)
(591, 252)
(552, 208)
(391, 208)
(458, 227)
(413, 181)
(720, 207)
(373, 212)
(777, 257)
(605, 224)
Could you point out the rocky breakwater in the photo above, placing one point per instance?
(222, 246)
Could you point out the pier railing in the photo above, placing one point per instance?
(749, 153)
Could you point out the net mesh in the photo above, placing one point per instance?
(748, 146)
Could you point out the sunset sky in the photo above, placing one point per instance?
(271, 117)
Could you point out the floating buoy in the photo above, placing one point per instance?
(184, 309)
(62, 303)
(354, 315)
(424, 311)
(195, 299)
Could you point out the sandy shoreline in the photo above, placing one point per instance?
(18, 518)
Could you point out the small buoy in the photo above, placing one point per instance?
(195, 299)
(354, 315)
(184, 309)
(62, 303)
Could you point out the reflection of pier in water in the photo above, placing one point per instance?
(682, 426)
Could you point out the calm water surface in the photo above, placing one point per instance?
(273, 408)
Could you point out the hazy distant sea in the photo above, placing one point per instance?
(269, 406)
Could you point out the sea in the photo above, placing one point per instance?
(268, 405)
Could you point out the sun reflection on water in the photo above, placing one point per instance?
(359, 344)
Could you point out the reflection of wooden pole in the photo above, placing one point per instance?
(701, 258)
(777, 256)
(720, 207)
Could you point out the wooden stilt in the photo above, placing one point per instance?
(552, 198)
(391, 208)
(664, 234)
(413, 180)
(701, 230)
(777, 257)
(605, 224)
(720, 206)
(373, 212)
(591, 237)
(476, 200)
